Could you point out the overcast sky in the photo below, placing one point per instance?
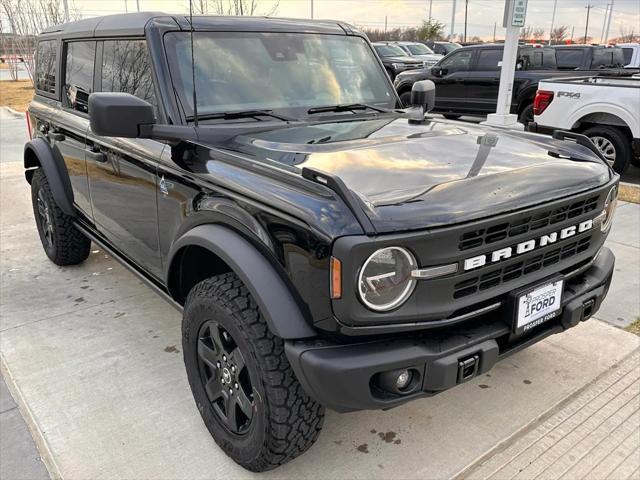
(403, 13)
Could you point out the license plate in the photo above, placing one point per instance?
(538, 305)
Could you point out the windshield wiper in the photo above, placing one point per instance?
(346, 108)
(243, 114)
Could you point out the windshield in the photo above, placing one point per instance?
(419, 49)
(450, 47)
(238, 71)
(389, 51)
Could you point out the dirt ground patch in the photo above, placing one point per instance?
(634, 327)
(16, 95)
(630, 193)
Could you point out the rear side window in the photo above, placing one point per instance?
(607, 58)
(628, 54)
(489, 59)
(46, 63)
(126, 67)
(78, 76)
(569, 58)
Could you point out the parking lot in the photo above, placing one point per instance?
(93, 361)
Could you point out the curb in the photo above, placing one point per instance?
(38, 438)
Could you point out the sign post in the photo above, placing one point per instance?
(514, 17)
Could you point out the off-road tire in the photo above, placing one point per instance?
(67, 245)
(526, 115)
(620, 142)
(286, 421)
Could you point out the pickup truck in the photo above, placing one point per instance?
(605, 109)
(468, 78)
(589, 57)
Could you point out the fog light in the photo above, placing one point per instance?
(403, 380)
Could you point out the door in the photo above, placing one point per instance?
(483, 80)
(122, 171)
(451, 94)
(71, 126)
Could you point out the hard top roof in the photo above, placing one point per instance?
(134, 24)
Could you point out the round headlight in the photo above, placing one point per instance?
(385, 280)
(609, 208)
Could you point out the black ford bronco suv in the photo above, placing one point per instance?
(326, 248)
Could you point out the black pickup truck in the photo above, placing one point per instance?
(589, 57)
(468, 79)
(322, 247)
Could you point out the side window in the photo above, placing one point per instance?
(46, 63)
(569, 58)
(489, 59)
(628, 54)
(126, 67)
(457, 62)
(78, 77)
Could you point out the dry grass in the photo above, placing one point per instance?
(630, 193)
(4, 66)
(16, 95)
(634, 327)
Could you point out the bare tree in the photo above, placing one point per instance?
(26, 19)
(559, 34)
(526, 32)
(627, 35)
(235, 7)
(538, 33)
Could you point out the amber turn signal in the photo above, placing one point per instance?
(336, 278)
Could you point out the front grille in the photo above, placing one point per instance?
(496, 233)
(516, 270)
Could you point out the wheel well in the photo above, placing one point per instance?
(190, 266)
(601, 118)
(31, 161)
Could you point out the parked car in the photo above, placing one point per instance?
(588, 57)
(395, 59)
(420, 51)
(443, 48)
(326, 249)
(468, 79)
(631, 53)
(605, 109)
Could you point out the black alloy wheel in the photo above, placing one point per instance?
(225, 377)
(44, 218)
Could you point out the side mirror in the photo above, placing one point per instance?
(120, 115)
(423, 94)
(436, 71)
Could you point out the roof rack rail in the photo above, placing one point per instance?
(336, 184)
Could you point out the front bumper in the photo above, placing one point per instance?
(343, 376)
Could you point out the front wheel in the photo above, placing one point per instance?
(241, 380)
(63, 243)
(405, 99)
(613, 144)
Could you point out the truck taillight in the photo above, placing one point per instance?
(542, 101)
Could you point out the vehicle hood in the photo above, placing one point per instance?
(407, 59)
(414, 176)
(432, 57)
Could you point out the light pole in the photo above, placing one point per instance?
(606, 33)
(604, 22)
(466, 8)
(311, 9)
(553, 19)
(453, 20)
(586, 28)
(430, 7)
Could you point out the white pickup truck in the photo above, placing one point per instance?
(605, 109)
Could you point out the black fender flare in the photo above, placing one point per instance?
(51, 161)
(281, 311)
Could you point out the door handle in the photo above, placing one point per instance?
(96, 155)
(56, 136)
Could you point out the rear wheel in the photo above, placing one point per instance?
(63, 243)
(613, 144)
(526, 115)
(243, 384)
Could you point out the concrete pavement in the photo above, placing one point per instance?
(94, 360)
